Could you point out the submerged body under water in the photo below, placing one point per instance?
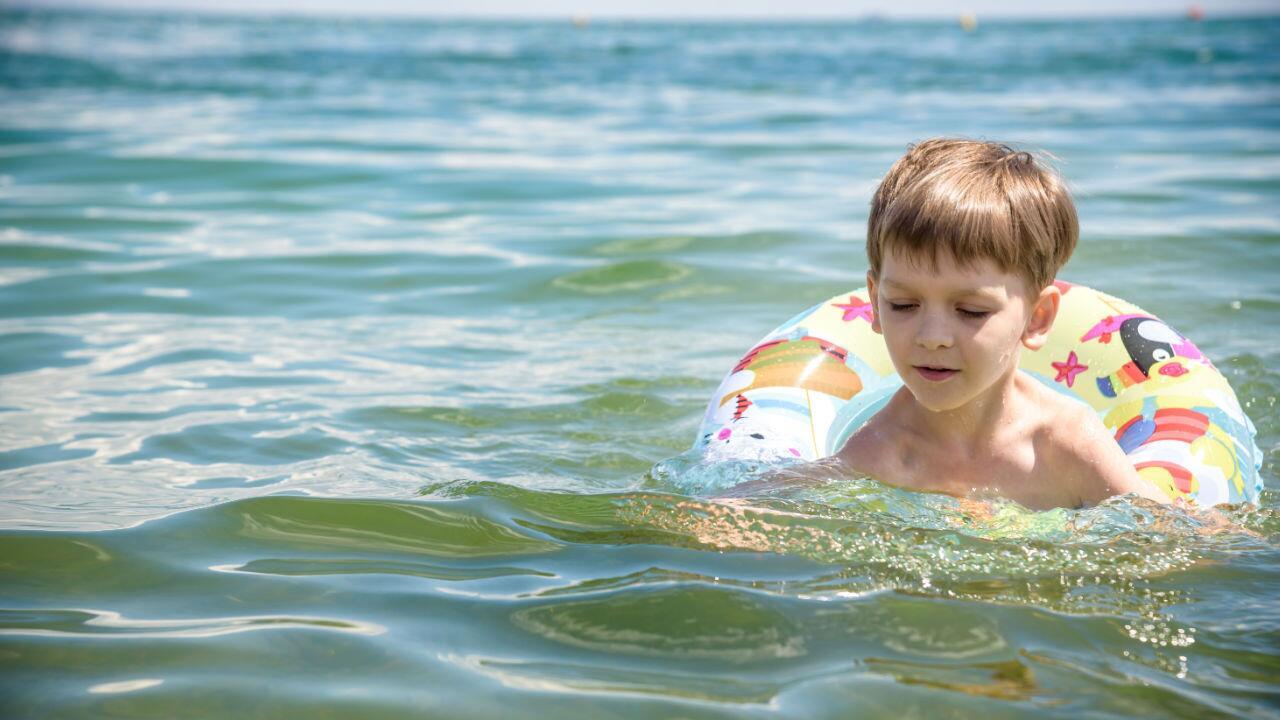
(345, 361)
(488, 596)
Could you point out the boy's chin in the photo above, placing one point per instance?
(939, 408)
(933, 401)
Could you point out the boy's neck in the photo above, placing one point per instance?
(976, 424)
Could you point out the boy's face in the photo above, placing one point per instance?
(954, 332)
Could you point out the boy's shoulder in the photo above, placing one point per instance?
(874, 449)
(1085, 458)
(889, 448)
(1067, 428)
(1056, 414)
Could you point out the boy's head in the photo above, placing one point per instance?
(973, 200)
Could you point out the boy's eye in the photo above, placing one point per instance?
(976, 314)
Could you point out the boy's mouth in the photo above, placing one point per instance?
(934, 373)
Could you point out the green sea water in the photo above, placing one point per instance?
(337, 355)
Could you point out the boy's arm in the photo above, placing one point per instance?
(852, 461)
(1128, 481)
(1121, 478)
(810, 474)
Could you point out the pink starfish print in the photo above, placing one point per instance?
(855, 309)
(1067, 371)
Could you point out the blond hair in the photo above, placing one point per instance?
(974, 199)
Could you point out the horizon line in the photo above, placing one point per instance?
(588, 18)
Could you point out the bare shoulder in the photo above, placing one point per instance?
(1069, 425)
(1084, 454)
(871, 450)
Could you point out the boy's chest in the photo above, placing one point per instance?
(1012, 472)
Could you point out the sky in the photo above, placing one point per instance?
(688, 8)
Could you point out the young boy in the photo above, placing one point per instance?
(964, 241)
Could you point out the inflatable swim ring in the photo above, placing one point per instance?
(806, 387)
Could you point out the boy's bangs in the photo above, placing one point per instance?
(973, 200)
(925, 230)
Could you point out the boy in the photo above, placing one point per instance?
(963, 242)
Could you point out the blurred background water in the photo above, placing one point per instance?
(336, 354)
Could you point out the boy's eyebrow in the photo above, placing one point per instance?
(982, 292)
(985, 292)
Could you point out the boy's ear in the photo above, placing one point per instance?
(875, 302)
(1044, 311)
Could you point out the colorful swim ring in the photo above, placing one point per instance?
(806, 387)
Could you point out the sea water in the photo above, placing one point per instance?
(337, 353)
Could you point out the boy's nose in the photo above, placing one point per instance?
(934, 334)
